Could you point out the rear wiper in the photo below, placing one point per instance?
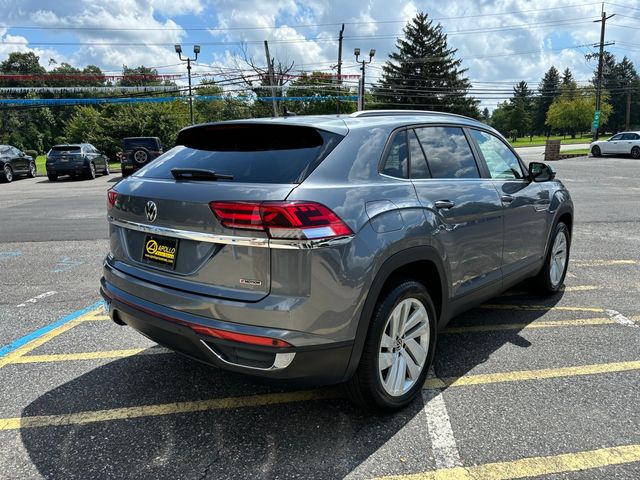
(198, 174)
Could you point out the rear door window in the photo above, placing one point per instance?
(448, 152)
(419, 168)
(250, 153)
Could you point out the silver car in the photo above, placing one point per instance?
(329, 249)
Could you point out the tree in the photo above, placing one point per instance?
(139, 77)
(568, 86)
(317, 84)
(548, 90)
(486, 116)
(622, 82)
(423, 73)
(572, 112)
(19, 63)
(520, 113)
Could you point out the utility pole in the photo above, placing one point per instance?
(363, 63)
(628, 116)
(596, 117)
(340, 38)
(271, 80)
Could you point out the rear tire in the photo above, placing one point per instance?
(52, 177)
(595, 151)
(395, 359)
(551, 277)
(33, 170)
(635, 152)
(92, 171)
(6, 176)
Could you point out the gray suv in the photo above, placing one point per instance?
(329, 249)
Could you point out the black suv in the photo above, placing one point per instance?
(15, 162)
(137, 152)
(76, 160)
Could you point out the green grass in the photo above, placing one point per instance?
(42, 170)
(576, 151)
(538, 140)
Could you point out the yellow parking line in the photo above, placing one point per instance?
(289, 397)
(523, 375)
(16, 354)
(106, 354)
(97, 314)
(541, 307)
(602, 263)
(583, 322)
(534, 466)
(166, 409)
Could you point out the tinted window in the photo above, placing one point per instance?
(629, 136)
(16, 152)
(500, 159)
(396, 164)
(249, 153)
(448, 152)
(62, 149)
(148, 143)
(4, 149)
(419, 167)
(616, 137)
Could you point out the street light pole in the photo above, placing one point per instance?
(196, 50)
(363, 63)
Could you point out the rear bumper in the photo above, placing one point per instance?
(70, 169)
(323, 363)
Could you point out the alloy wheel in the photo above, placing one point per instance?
(404, 346)
(8, 173)
(558, 259)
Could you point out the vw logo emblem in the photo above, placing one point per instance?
(151, 211)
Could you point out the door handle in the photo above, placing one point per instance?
(444, 204)
(506, 198)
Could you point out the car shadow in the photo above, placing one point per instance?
(325, 438)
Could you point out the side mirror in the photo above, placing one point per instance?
(541, 172)
(22, 154)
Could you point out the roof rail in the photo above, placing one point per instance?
(390, 113)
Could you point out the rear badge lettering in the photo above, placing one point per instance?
(255, 283)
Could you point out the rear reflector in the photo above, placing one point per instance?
(239, 337)
(285, 220)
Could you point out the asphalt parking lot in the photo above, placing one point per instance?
(524, 386)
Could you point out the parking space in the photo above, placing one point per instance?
(524, 386)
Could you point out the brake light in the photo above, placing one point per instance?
(239, 337)
(112, 196)
(285, 220)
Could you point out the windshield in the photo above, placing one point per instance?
(59, 150)
(4, 149)
(247, 153)
(148, 143)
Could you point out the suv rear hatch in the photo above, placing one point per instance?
(163, 226)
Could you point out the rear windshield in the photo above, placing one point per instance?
(64, 149)
(148, 143)
(249, 153)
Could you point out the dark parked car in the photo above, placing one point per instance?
(80, 159)
(330, 248)
(137, 152)
(14, 162)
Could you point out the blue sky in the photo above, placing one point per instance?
(501, 42)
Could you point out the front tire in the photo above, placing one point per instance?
(33, 170)
(398, 351)
(635, 152)
(596, 152)
(552, 275)
(106, 169)
(6, 175)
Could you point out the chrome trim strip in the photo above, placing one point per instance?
(231, 239)
(282, 360)
(189, 235)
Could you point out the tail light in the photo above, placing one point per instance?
(283, 220)
(112, 196)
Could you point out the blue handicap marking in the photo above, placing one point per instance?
(6, 255)
(66, 264)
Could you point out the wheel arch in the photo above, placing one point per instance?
(421, 263)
